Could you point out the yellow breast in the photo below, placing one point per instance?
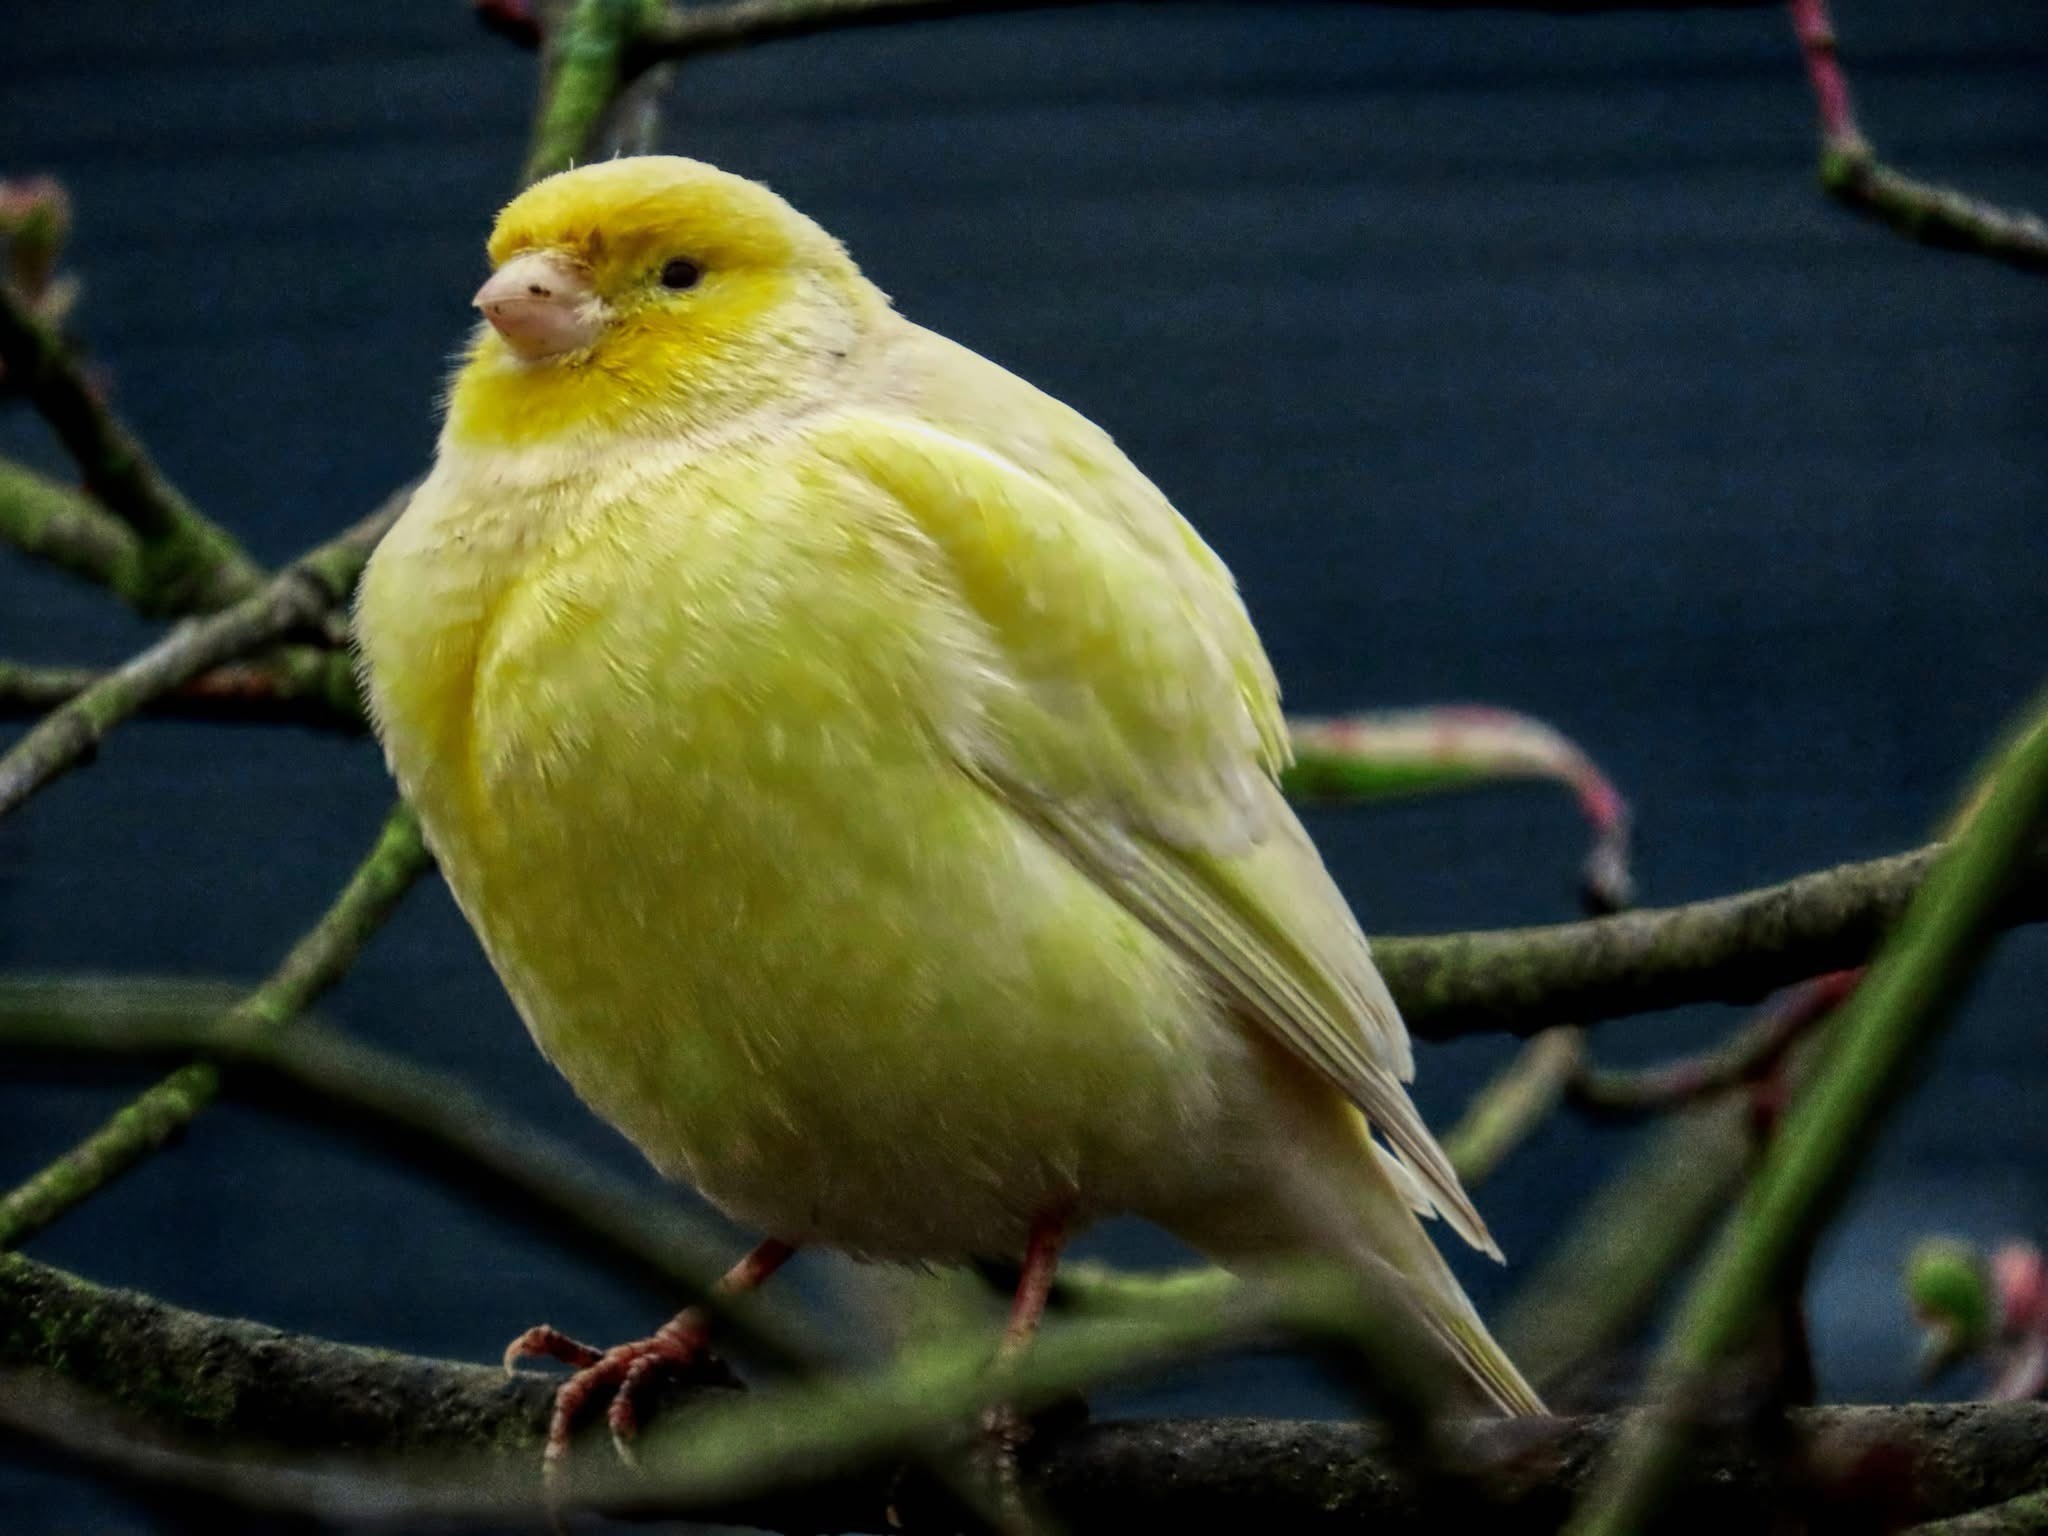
(677, 734)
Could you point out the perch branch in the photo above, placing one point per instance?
(1732, 948)
(314, 964)
(1853, 175)
(187, 1392)
(1882, 1031)
(302, 595)
(188, 563)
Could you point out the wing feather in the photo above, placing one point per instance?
(1136, 725)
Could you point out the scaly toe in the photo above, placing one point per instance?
(545, 1343)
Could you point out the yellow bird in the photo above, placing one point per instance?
(863, 781)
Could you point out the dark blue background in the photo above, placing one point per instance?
(1504, 358)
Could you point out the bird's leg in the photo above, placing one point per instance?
(1005, 1429)
(624, 1371)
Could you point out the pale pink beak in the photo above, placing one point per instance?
(542, 305)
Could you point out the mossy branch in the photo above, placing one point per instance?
(303, 595)
(1733, 949)
(1880, 1034)
(46, 519)
(188, 563)
(201, 1402)
(314, 964)
(584, 72)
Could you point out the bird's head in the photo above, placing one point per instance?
(652, 294)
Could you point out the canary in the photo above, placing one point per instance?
(863, 781)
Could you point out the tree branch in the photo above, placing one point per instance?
(314, 964)
(1854, 176)
(584, 72)
(302, 595)
(434, 1122)
(188, 562)
(1883, 1029)
(41, 517)
(1747, 1056)
(1732, 948)
(218, 1401)
(307, 685)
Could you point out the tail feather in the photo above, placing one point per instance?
(1485, 1362)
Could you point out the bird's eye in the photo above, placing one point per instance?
(681, 273)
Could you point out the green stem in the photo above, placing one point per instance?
(314, 964)
(189, 564)
(1879, 1037)
(584, 69)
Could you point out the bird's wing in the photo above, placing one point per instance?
(1135, 721)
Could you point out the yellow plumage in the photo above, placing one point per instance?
(862, 778)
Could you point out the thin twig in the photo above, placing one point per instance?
(1881, 1033)
(308, 685)
(1622, 1093)
(305, 593)
(1386, 753)
(314, 964)
(1853, 174)
(188, 563)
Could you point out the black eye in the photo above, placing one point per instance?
(681, 273)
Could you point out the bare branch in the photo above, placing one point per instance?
(188, 562)
(1853, 175)
(220, 1400)
(304, 594)
(1387, 753)
(306, 685)
(1748, 1056)
(584, 72)
(41, 517)
(1885, 1026)
(314, 964)
(1732, 949)
(436, 1123)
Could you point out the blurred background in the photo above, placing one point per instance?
(1505, 358)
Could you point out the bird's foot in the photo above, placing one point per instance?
(619, 1377)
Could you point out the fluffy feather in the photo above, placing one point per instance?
(862, 778)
